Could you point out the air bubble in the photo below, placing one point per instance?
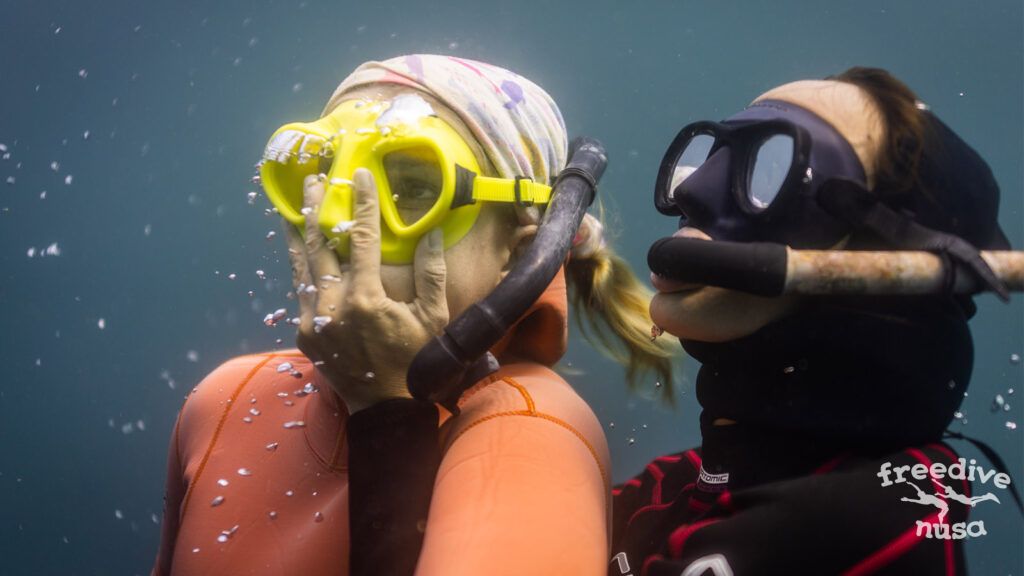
(274, 317)
(319, 322)
(343, 227)
(997, 403)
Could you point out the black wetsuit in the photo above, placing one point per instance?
(822, 399)
(834, 519)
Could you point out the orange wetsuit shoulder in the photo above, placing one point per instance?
(258, 484)
(523, 483)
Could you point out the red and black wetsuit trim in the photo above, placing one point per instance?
(838, 519)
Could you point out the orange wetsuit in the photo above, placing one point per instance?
(258, 483)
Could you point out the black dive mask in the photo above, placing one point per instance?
(756, 176)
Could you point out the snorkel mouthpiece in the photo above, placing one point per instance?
(757, 267)
(438, 372)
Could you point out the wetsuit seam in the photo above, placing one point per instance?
(549, 418)
(678, 537)
(530, 405)
(217, 431)
(890, 551)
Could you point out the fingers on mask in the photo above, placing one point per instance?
(323, 264)
(301, 277)
(365, 239)
(430, 273)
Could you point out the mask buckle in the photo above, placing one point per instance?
(518, 192)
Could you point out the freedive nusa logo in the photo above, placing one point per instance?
(960, 470)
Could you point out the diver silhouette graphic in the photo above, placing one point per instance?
(970, 501)
(926, 499)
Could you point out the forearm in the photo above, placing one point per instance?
(393, 459)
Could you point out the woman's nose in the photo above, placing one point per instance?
(704, 195)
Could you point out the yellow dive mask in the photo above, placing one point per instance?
(427, 176)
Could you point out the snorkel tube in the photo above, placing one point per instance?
(768, 269)
(438, 371)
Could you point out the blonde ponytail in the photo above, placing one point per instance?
(614, 303)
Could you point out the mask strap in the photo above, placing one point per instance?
(852, 203)
(519, 190)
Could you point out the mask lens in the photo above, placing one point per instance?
(774, 159)
(695, 153)
(414, 177)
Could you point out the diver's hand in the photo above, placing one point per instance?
(360, 339)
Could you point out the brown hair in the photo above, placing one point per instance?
(905, 126)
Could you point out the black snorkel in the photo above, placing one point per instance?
(437, 373)
(769, 269)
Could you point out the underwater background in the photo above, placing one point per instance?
(130, 130)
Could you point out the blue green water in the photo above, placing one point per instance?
(155, 113)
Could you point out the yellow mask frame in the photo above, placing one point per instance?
(361, 134)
